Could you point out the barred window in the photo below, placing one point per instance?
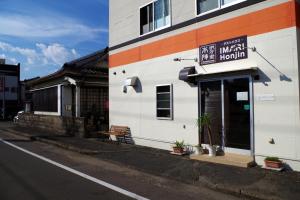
(45, 99)
(93, 99)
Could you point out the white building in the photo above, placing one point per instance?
(243, 69)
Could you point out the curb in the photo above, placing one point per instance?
(58, 144)
(68, 147)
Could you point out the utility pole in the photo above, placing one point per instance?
(3, 98)
(3, 80)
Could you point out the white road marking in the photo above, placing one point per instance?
(93, 179)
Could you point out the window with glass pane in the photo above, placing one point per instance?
(161, 13)
(146, 19)
(225, 2)
(154, 16)
(164, 101)
(206, 5)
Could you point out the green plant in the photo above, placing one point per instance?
(275, 159)
(179, 144)
(203, 123)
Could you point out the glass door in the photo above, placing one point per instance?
(237, 108)
(229, 103)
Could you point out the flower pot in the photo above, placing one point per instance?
(178, 149)
(198, 150)
(273, 164)
(211, 150)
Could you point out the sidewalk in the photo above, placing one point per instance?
(251, 182)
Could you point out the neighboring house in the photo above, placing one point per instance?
(25, 94)
(9, 90)
(79, 89)
(237, 60)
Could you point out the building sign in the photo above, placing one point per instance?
(227, 50)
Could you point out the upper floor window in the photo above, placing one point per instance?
(204, 6)
(154, 16)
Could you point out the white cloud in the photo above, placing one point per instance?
(30, 54)
(56, 53)
(9, 60)
(46, 27)
(53, 54)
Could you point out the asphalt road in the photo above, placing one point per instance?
(26, 177)
(23, 176)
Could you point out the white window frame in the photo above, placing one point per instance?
(219, 7)
(158, 29)
(171, 102)
(58, 113)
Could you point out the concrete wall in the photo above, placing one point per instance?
(54, 124)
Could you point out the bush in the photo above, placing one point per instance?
(179, 144)
(275, 159)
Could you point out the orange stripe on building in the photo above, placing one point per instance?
(267, 20)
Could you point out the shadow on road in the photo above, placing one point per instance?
(17, 140)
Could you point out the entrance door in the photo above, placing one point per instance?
(237, 114)
(228, 103)
(211, 103)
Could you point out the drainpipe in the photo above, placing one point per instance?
(77, 101)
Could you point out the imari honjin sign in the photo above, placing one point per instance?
(227, 50)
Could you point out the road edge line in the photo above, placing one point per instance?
(83, 175)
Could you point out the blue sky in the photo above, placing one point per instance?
(44, 34)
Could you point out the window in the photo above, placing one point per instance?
(164, 102)
(93, 99)
(154, 16)
(204, 6)
(45, 100)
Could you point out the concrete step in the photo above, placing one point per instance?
(227, 159)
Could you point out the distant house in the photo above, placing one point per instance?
(9, 89)
(78, 90)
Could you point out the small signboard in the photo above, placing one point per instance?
(223, 51)
(265, 97)
(242, 96)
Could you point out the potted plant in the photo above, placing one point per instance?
(204, 123)
(273, 162)
(198, 149)
(179, 147)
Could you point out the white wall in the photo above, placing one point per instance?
(138, 109)
(277, 119)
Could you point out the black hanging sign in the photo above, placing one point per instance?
(223, 51)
